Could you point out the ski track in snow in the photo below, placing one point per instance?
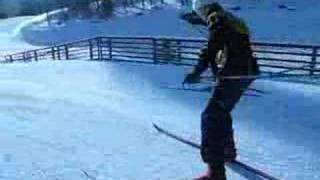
(82, 120)
(11, 40)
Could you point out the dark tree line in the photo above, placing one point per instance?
(142, 2)
(9, 8)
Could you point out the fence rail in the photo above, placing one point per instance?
(272, 57)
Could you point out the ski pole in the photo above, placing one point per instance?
(184, 88)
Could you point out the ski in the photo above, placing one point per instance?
(281, 74)
(233, 165)
(246, 89)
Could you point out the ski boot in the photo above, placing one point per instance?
(213, 173)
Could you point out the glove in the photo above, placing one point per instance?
(203, 55)
(191, 78)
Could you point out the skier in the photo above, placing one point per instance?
(228, 53)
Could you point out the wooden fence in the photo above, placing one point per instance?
(272, 57)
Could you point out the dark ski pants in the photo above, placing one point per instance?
(216, 120)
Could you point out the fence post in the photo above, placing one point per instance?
(11, 58)
(58, 51)
(53, 53)
(99, 48)
(91, 49)
(66, 49)
(179, 50)
(110, 48)
(35, 55)
(313, 60)
(24, 57)
(154, 43)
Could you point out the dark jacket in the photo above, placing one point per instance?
(229, 35)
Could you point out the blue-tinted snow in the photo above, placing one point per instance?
(82, 120)
(62, 118)
(299, 22)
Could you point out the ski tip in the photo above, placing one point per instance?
(156, 127)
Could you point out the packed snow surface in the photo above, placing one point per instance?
(80, 119)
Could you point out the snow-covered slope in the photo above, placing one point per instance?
(63, 120)
(156, 22)
(11, 40)
(299, 22)
(296, 22)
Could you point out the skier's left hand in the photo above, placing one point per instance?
(191, 78)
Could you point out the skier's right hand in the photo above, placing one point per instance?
(203, 55)
(191, 78)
